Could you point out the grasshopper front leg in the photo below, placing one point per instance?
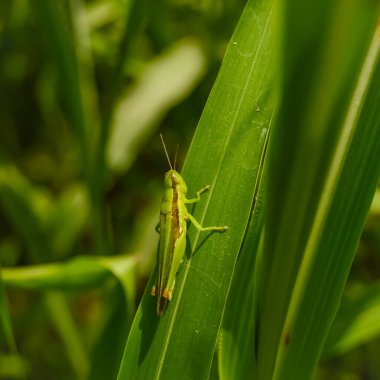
(198, 197)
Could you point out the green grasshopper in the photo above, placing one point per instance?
(173, 227)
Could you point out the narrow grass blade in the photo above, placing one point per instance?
(63, 321)
(117, 321)
(67, 36)
(14, 363)
(25, 207)
(53, 19)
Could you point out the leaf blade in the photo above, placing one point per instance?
(230, 139)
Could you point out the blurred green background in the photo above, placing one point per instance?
(141, 68)
(86, 88)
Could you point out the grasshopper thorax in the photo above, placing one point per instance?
(174, 180)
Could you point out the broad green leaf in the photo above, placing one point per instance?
(236, 346)
(33, 213)
(12, 367)
(63, 322)
(101, 13)
(324, 166)
(81, 272)
(49, 227)
(225, 153)
(172, 75)
(375, 206)
(26, 208)
(66, 219)
(356, 322)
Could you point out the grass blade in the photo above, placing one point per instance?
(356, 322)
(14, 363)
(331, 153)
(173, 75)
(225, 153)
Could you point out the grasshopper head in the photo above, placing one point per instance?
(174, 180)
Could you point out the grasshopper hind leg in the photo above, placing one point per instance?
(201, 228)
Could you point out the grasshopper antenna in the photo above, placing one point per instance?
(166, 152)
(175, 157)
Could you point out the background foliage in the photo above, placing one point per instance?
(85, 89)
